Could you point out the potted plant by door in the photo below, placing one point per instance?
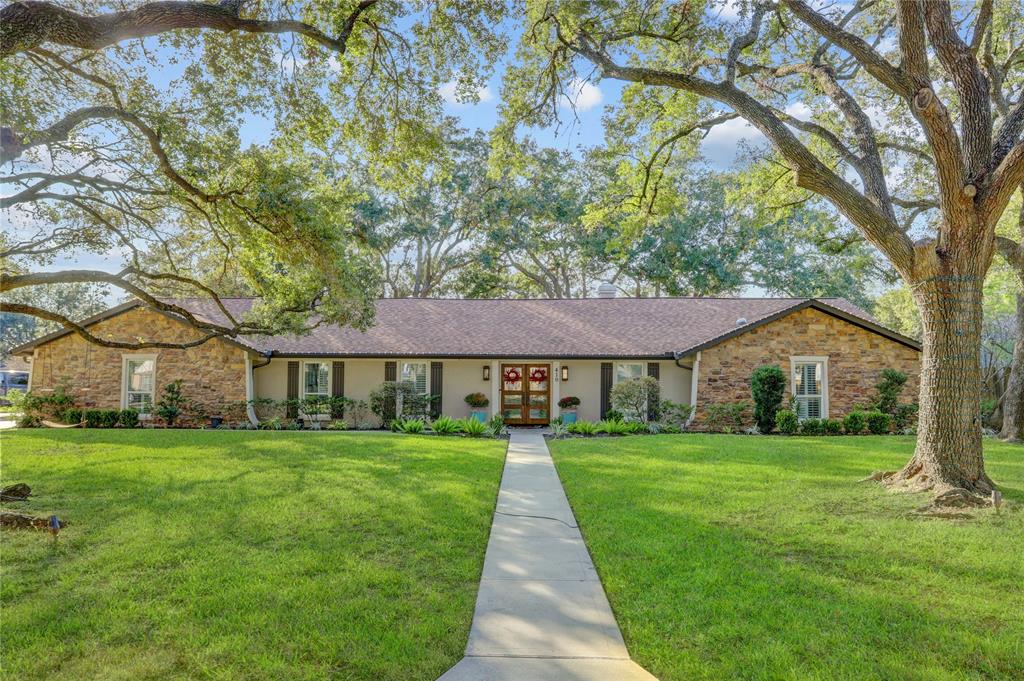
(477, 406)
(567, 407)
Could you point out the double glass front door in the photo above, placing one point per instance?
(526, 394)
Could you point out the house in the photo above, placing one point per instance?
(523, 354)
(13, 375)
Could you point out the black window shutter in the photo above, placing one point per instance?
(337, 387)
(293, 387)
(436, 372)
(654, 371)
(338, 379)
(390, 374)
(606, 388)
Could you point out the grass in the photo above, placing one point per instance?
(235, 555)
(732, 557)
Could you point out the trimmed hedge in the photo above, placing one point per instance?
(878, 423)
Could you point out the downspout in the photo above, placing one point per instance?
(694, 380)
(250, 381)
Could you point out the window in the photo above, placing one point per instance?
(139, 381)
(810, 386)
(415, 373)
(624, 372)
(315, 380)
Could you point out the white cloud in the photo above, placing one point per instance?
(582, 95)
(449, 93)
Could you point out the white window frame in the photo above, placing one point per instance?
(794, 360)
(125, 359)
(426, 374)
(615, 374)
(303, 392)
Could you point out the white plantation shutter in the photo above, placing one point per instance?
(807, 388)
(416, 373)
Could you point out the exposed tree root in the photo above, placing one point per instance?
(951, 499)
(16, 520)
(16, 492)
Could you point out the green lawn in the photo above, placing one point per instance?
(732, 557)
(235, 555)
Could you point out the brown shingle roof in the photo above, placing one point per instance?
(592, 327)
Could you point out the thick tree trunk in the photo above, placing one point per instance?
(1013, 402)
(948, 454)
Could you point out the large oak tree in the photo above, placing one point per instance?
(144, 132)
(813, 78)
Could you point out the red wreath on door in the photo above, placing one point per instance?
(539, 375)
(512, 375)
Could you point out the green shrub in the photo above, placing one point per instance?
(16, 397)
(787, 421)
(663, 427)
(413, 426)
(635, 427)
(477, 400)
(474, 428)
(613, 427)
(583, 428)
(128, 418)
(496, 426)
(768, 385)
(726, 417)
(337, 424)
(384, 399)
(72, 415)
(888, 390)
(635, 397)
(811, 427)
(559, 430)
(91, 417)
(832, 426)
(878, 422)
(853, 423)
(171, 404)
(905, 416)
(614, 415)
(445, 425)
(396, 425)
(676, 414)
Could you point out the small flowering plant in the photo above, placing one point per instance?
(477, 400)
(569, 402)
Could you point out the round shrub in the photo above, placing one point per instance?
(72, 415)
(878, 423)
(812, 427)
(832, 426)
(853, 423)
(768, 385)
(128, 418)
(787, 421)
(477, 400)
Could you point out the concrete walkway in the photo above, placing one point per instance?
(541, 613)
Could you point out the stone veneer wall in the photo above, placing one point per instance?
(212, 373)
(856, 360)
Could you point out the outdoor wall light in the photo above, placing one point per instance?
(565, 373)
(487, 372)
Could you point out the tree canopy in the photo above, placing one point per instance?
(140, 148)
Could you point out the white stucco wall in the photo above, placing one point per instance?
(464, 376)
